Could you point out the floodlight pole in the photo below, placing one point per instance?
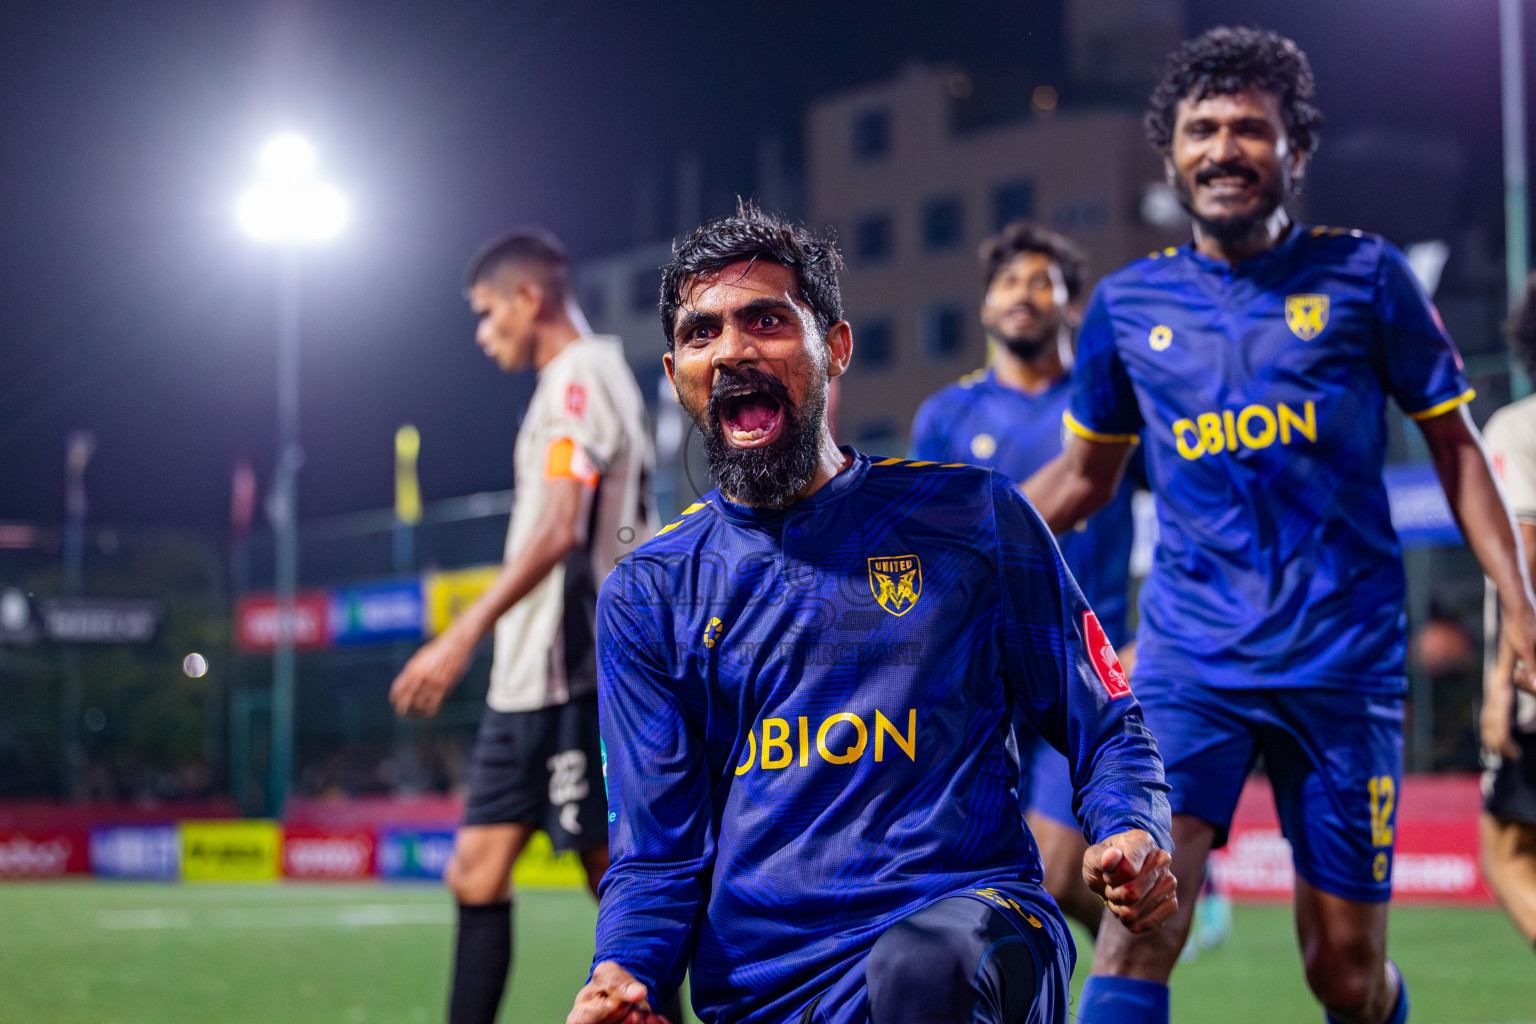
(291, 208)
(285, 528)
(1516, 215)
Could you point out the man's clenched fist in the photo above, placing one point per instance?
(613, 996)
(1130, 874)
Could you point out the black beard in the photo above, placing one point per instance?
(1028, 349)
(1231, 231)
(773, 475)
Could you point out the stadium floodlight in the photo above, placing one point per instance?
(290, 207)
(289, 204)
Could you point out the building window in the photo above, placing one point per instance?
(943, 224)
(644, 290)
(872, 133)
(942, 330)
(1080, 215)
(1013, 201)
(874, 342)
(872, 238)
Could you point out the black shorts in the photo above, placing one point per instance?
(542, 768)
(1509, 787)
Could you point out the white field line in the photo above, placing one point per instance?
(358, 915)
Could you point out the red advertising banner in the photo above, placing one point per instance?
(40, 854)
(320, 853)
(256, 621)
(1436, 844)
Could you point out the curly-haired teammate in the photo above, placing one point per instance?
(1508, 821)
(1256, 364)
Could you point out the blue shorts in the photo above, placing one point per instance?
(998, 954)
(1334, 759)
(1046, 779)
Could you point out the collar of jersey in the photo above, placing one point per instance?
(991, 381)
(1258, 259)
(834, 490)
(611, 340)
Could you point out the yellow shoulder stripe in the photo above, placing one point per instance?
(690, 510)
(1446, 406)
(908, 462)
(1093, 435)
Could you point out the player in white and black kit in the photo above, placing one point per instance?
(582, 467)
(1508, 823)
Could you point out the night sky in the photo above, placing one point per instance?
(131, 305)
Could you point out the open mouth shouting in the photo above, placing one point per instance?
(751, 406)
(751, 419)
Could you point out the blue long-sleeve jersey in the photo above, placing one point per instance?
(804, 717)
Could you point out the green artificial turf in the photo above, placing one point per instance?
(121, 953)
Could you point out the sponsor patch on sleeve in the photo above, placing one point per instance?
(567, 460)
(576, 400)
(1105, 661)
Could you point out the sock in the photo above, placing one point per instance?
(1110, 1000)
(1399, 1014)
(482, 958)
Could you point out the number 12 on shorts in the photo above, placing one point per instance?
(1383, 802)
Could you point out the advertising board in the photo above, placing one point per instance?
(414, 852)
(376, 613)
(449, 593)
(541, 865)
(230, 851)
(151, 852)
(325, 854)
(256, 621)
(43, 854)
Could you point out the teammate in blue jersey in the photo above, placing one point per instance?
(1256, 364)
(806, 687)
(1008, 417)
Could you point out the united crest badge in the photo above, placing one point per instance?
(1306, 315)
(896, 581)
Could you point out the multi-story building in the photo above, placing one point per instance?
(619, 294)
(911, 196)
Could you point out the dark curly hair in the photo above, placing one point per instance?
(751, 234)
(1022, 236)
(1227, 60)
(1521, 328)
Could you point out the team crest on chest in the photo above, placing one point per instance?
(1306, 315)
(896, 581)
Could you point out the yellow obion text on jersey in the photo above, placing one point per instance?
(843, 730)
(1253, 426)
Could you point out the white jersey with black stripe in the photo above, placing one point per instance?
(586, 420)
